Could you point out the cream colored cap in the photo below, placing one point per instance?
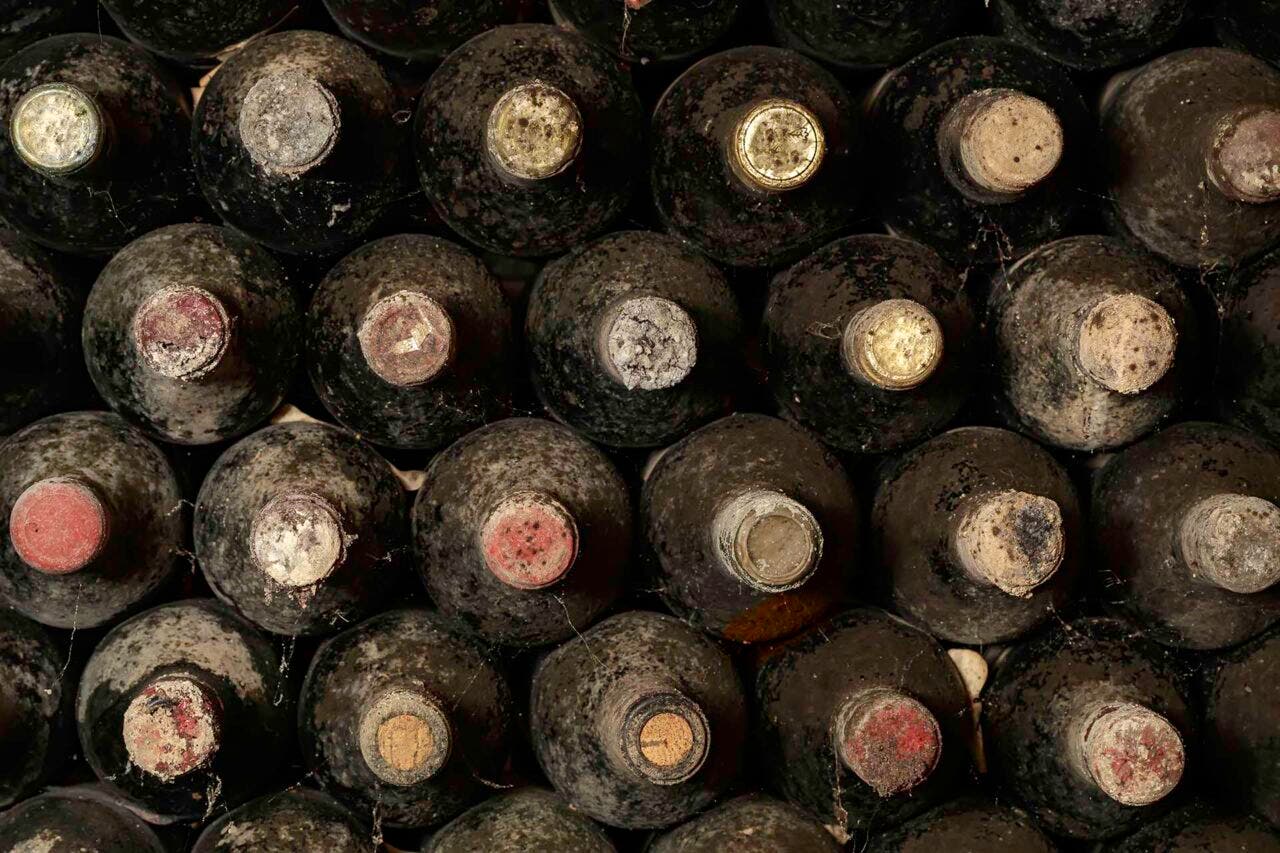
(895, 345)
(56, 128)
(1008, 140)
(534, 131)
(1127, 343)
(1233, 541)
(779, 145)
(1010, 539)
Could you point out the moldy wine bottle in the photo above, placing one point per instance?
(981, 145)
(404, 716)
(752, 821)
(95, 148)
(1095, 342)
(1193, 154)
(635, 339)
(296, 819)
(978, 534)
(1199, 829)
(1251, 26)
(1243, 732)
(867, 343)
(754, 156)
(295, 142)
(1094, 35)
(301, 527)
(967, 825)
(191, 331)
(183, 708)
(72, 820)
(753, 525)
(91, 520)
(862, 34)
(863, 720)
(34, 707)
(523, 530)
(527, 140)
(408, 340)
(25, 21)
(1247, 384)
(1086, 725)
(643, 31)
(196, 32)
(423, 31)
(1187, 525)
(641, 722)
(520, 821)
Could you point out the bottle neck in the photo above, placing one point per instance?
(1231, 542)
(653, 731)
(894, 345)
(529, 540)
(60, 131)
(290, 123)
(767, 540)
(888, 739)
(1008, 539)
(59, 525)
(1242, 159)
(535, 132)
(778, 145)
(298, 539)
(173, 726)
(646, 343)
(405, 736)
(1125, 343)
(407, 339)
(182, 332)
(997, 144)
(1131, 754)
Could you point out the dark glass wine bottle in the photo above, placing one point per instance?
(1198, 828)
(863, 721)
(1252, 26)
(34, 707)
(752, 820)
(1187, 527)
(196, 32)
(423, 31)
(1247, 384)
(526, 139)
(1095, 343)
(635, 339)
(520, 821)
(753, 526)
(1242, 694)
(95, 145)
(409, 342)
(643, 31)
(968, 825)
(69, 820)
(296, 142)
(1094, 35)
(91, 520)
(191, 332)
(641, 723)
(1086, 725)
(868, 342)
(523, 530)
(296, 819)
(183, 709)
(25, 21)
(862, 34)
(755, 157)
(981, 147)
(1192, 144)
(301, 528)
(405, 716)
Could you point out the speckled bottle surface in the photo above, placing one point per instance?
(296, 819)
(522, 820)
(1247, 381)
(34, 706)
(647, 32)
(1093, 34)
(750, 820)
(68, 820)
(199, 32)
(861, 34)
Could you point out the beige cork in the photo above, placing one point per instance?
(895, 345)
(778, 145)
(172, 727)
(888, 739)
(1007, 141)
(406, 338)
(1232, 541)
(297, 539)
(1011, 540)
(648, 343)
(666, 739)
(529, 540)
(289, 122)
(1244, 156)
(655, 731)
(181, 332)
(404, 736)
(58, 525)
(1134, 755)
(534, 131)
(768, 540)
(1126, 343)
(57, 129)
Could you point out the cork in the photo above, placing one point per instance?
(1126, 343)
(57, 129)
(297, 539)
(778, 145)
(1133, 754)
(529, 540)
(1232, 541)
(58, 525)
(534, 131)
(895, 345)
(172, 727)
(648, 343)
(181, 332)
(1006, 141)
(1009, 539)
(405, 737)
(406, 338)
(768, 540)
(289, 122)
(663, 734)
(1243, 160)
(888, 739)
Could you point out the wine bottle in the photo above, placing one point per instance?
(1187, 525)
(981, 146)
(968, 825)
(1095, 342)
(634, 339)
(408, 341)
(1197, 828)
(25, 21)
(40, 308)
(643, 31)
(1091, 37)
(753, 526)
(191, 332)
(523, 530)
(422, 31)
(519, 821)
(862, 34)
(863, 721)
(183, 708)
(196, 32)
(405, 715)
(641, 723)
(296, 819)
(301, 528)
(1249, 26)
(296, 142)
(34, 707)
(1192, 143)
(754, 819)
(753, 157)
(867, 343)
(70, 820)
(1247, 381)
(91, 521)
(978, 535)
(1086, 725)
(95, 149)
(1242, 693)
(526, 140)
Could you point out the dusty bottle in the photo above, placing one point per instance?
(91, 520)
(967, 825)
(1192, 143)
(754, 157)
(302, 528)
(863, 721)
(772, 824)
(184, 705)
(1095, 343)
(1197, 828)
(753, 526)
(526, 140)
(643, 31)
(70, 820)
(424, 31)
(641, 723)
(34, 707)
(1188, 528)
(861, 34)
(981, 146)
(1247, 384)
(1250, 26)
(25, 21)
(1092, 36)
(523, 530)
(868, 343)
(296, 143)
(405, 714)
(296, 819)
(635, 339)
(519, 821)
(1243, 733)
(95, 149)
(1086, 725)
(191, 332)
(196, 32)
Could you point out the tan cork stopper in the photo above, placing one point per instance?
(529, 540)
(181, 332)
(57, 129)
(58, 525)
(297, 539)
(895, 345)
(1126, 343)
(1133, 754)
(1233, 541)
(1010, 539)
(663, 733)
(289, 122)
(648, 343)
(534, 131)
(1008, 141)
(888, 739)
(778, 145)
(1244, 158)
(405, 737)
(768, 540)
(172, 727)
(666, 739)
(406, 338)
